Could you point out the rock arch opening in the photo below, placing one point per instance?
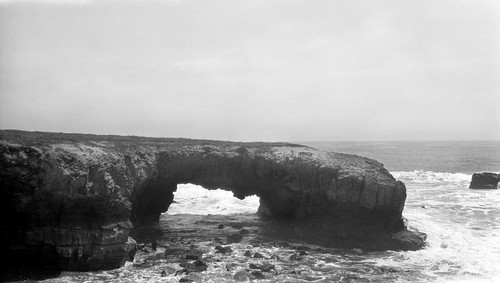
(194, 199)
(156, 197)
(278, 187)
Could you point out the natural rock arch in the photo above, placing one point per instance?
(76, 193)
(290, 183)
(342, 200)
(237, 172)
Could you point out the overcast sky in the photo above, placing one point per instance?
(253, 70)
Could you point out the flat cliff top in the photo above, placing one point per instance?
(119, 143)
(91, 149)
(37, 138)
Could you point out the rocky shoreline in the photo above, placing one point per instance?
(247, 248)
(71, 199)
(178, 254)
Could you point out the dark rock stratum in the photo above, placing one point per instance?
(68, 200)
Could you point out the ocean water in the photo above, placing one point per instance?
(429, 156)
(463, 227)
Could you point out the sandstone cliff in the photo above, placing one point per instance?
(69, 199)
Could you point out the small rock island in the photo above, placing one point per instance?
(70, 200)
(485, 180)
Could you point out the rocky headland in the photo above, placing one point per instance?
(69, 201)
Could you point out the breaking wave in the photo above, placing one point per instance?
(430, 177)
(194, 199)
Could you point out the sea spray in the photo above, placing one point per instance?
(193, 199)
(462, 225)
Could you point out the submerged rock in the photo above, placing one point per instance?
(193, 277)
(79, 194)
(234, 238)
(175, 251)
(485, 180)
(241, 276)
(198, 265)
(275, 257)
(258, 255)
(266, 267)
(193, 254)
(167, 271)
(223, 250)
(258, 275)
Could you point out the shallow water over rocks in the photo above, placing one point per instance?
(260, 255)
(462, 226)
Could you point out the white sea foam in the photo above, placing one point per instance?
(430, 177)
(462, 226)
(194, 199)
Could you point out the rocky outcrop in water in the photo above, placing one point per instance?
(485, 180)
(70, 199)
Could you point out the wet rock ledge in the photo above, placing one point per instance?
(68, 201)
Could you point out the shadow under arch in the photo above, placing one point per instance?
(198, 215)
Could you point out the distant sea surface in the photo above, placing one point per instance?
(463, 225)
(437, 156)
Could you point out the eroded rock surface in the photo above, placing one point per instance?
(72, 197)
(485, 180)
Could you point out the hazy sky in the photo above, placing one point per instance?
(253, 70)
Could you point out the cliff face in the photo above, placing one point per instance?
(70, 199)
